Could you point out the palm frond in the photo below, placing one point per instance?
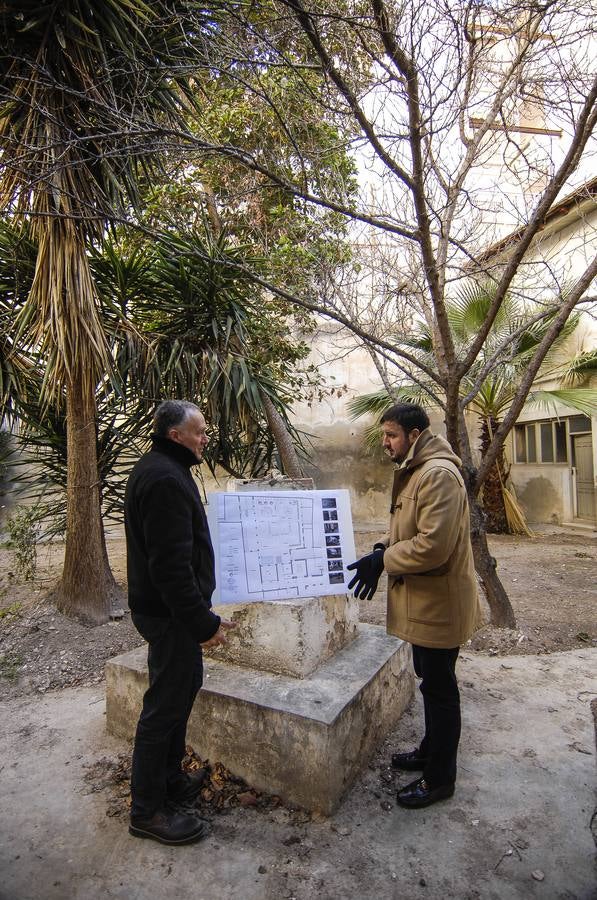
(468, 311)
(531, 337)
(373, 404)
(582, 399)
(579, 368)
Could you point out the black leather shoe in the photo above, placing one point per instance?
(170, 827)
(189, 786)
(411, 762)
(418, 793)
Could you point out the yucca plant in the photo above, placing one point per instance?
(204, 328)
(85, 88)
(178, 322)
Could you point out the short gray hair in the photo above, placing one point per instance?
(171, 413)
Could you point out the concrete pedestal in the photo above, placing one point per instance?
(303, 739)
(289, 637)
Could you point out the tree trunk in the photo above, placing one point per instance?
(288, 455)
(500, 608)
(496, 521)
(87, 590)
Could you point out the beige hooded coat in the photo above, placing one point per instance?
(432, 587)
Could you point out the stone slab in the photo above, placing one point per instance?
(305, 740)
(289, 637)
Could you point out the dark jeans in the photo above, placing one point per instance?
(441, 699)
(175, 675)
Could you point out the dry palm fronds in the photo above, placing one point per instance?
(61, 316)
(515, 517)
(514, 513)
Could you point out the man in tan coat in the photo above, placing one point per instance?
(432, 589)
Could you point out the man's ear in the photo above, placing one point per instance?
(413, 434)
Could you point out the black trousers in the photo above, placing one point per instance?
(175, 675)
(441, 700)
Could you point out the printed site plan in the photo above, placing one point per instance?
(280, 545)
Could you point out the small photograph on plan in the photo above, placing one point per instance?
(330, 526)
(335, 565)
(332, 540)
(330, 515)
(328, 502)
(334, 552)
(336, 577)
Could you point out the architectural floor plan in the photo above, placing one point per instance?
(280, 545)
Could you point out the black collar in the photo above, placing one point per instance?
(176, 451)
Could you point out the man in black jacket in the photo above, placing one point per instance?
(170, 565)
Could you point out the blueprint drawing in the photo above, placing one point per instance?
(280, 545)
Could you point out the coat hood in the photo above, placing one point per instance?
(429, 446)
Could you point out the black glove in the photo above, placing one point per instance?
(369, 569)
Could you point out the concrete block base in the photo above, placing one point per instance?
(305, 740)
(289, 637)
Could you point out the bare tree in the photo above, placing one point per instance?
(466, 121)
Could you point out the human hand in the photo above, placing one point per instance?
(369, 569)
(219, 637)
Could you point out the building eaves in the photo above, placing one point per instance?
(571, 207)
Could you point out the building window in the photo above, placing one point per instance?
(520, 444)
(579, 424)
(546, 442)
(561, 442)
(531, 443)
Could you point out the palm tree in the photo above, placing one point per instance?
(490, 396)
(77, 79)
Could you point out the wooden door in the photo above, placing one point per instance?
(585, 486)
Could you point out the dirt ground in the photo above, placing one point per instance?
(523, 823)
(551, 580)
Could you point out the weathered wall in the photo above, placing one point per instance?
(339, 460)
(544, 492)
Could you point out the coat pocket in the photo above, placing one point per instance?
(428, 599)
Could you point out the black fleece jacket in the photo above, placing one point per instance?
(170, 559)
